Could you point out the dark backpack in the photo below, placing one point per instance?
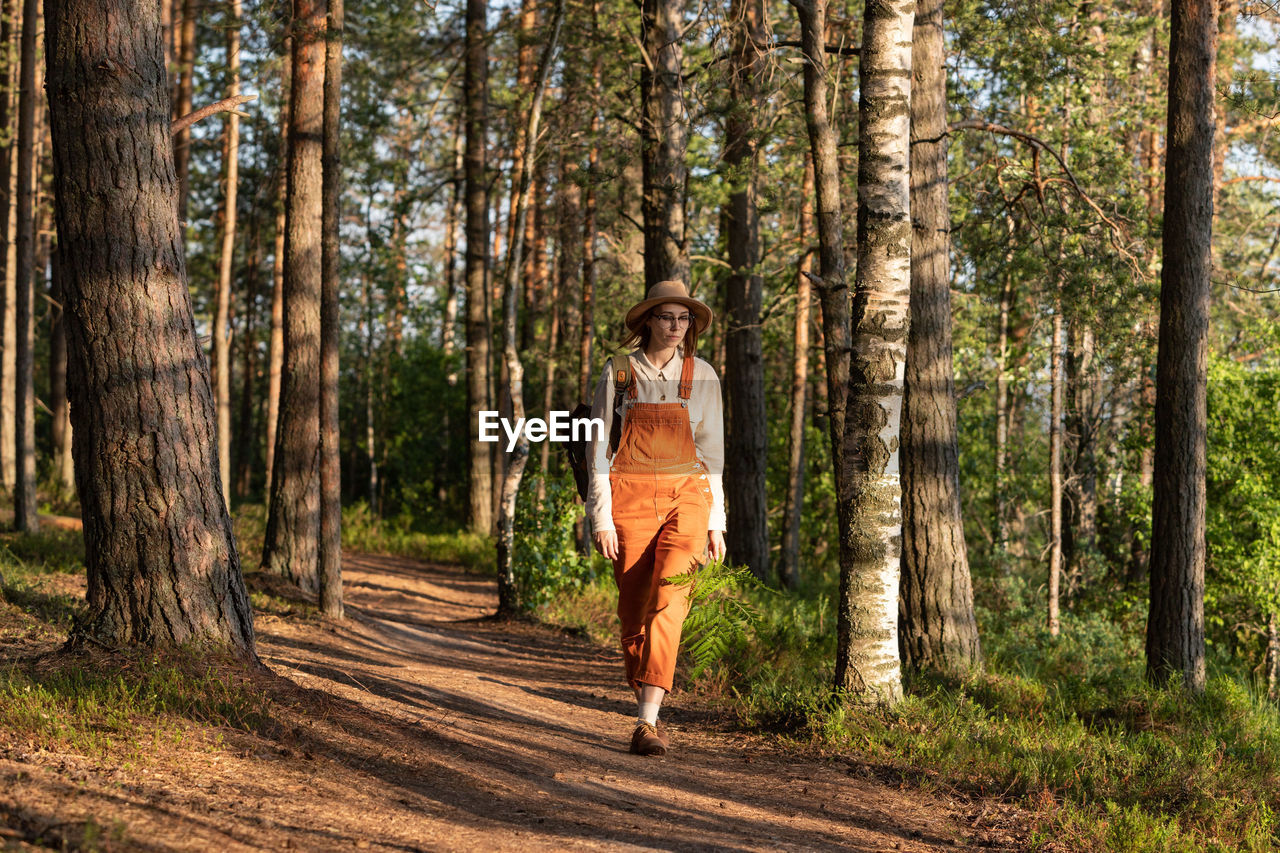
(578, 448)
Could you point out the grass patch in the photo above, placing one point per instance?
(363, 531)
(102, 706)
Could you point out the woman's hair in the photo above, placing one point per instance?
(639, 337)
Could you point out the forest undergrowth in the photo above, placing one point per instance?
(1066, 726)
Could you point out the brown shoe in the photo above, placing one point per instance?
(646, 740)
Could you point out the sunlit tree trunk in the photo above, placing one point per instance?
(330, 558)
(475, 81)
(182, 106)
(10, 29)
(789, 569)
(1175, 625)
(275, 342)
(867, 662)
(162, 563)
(226, 261)
(293, 521)
(937, 626)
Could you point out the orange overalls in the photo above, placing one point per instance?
(661, 500)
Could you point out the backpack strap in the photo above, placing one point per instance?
(686, 378)
(624, 381)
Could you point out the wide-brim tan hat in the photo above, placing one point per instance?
(669, 291)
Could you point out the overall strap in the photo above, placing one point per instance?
(686, 378)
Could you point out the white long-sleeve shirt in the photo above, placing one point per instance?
(661, 385)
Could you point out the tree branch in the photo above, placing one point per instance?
(223, 106)
(1037, 144)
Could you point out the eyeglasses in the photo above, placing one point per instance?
(673, 321)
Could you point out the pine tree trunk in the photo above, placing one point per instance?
(370, 433)
(475, 81)
(162, 562)
(186, 68)
(937, 626)
(10, 30)
(64, 474)
(746, 452)
(330, 557)
(833, 289)
(245, 455)
(293, 522)
(222, 329)
(789, 570)
(448, 332)
(29, 97)
(1175, 626)
(664, 135)
(275, 343)
(867, 662)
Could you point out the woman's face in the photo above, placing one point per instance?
(669, 322)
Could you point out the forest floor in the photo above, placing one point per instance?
(419, 723)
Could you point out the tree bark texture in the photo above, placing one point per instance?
(330, 559)
(747, 445)
(475, 82)
(162, 562)
(937, 627)
(293, 521)
(226, 261)
(833, 286)
(1175, 625)
(664, 139)
(508, 599)
(186, 68)
(64, 472)
(867, 662)
(275, 343)
(10, 29)
(789, 569)
(30, 98)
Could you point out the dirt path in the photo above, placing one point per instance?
(418, 725)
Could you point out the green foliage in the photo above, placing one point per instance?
(365, 532)
(719, 615)
(546, 559)
(1243, 517)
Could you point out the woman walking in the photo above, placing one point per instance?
(655, 502)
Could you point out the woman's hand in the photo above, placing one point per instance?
(607, 543)
(715, 544)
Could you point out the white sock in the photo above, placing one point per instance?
(650, 702)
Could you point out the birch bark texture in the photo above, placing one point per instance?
(868, 666)
(1175, 624)
(162, 562)
(937, 626)
(293, 522)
